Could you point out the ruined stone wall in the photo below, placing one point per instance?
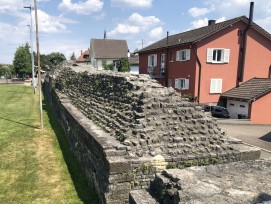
(123, 128)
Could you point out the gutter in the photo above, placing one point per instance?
(243, 50)
(199, 63)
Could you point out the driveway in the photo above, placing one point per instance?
(256, 135)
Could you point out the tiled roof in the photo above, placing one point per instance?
(195, 35)
(108, 48)
(134, 60)
(249, 90)
(82, 58)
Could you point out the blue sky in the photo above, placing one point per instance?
(68, 25)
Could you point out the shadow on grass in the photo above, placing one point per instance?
(13, 121)
(86, 194)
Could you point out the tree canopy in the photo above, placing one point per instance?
(55, 58)
(22, 60)
(124, 65)
(72, 57)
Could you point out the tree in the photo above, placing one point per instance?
(22, 60)
(5, 71)
(72, 57)
(55, 58)
(124, 65)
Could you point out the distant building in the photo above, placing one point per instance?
(84, 57)
(107, 51)
(252, 100)
(134, 63)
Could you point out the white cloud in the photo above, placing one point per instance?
(265, 23)
(199, 23)
(135, 24)
(125, 29)
(156, 33)
(132, 3)
(82, 7)
(220, 20)
(196, 12)
(137, 19)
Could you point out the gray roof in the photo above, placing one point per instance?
(249, 90)
(108, 48)
(196, 35)
(134, 60)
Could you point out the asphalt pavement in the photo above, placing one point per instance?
(255, 135)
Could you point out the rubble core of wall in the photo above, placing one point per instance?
(123, 128)
(237, 182)
(144, 116)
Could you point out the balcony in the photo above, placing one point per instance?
(154, 72)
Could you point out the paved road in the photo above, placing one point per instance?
(257, 135)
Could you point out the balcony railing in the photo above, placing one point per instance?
(154, 72)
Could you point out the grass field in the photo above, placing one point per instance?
(36, 165)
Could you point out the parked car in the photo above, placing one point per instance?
(217, 111)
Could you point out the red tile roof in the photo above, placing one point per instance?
(83, 57)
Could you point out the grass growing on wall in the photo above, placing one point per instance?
(36, 165)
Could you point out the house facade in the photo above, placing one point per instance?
(251, 100)
(208, 61)
(106, 51)
(84, 57)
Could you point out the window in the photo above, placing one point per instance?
(183, 55)
(242, 106)
(171, 56)
(182, 84)
(216, 86)
(218, 55)
(170, 83)
(162, 60)
(152, 60)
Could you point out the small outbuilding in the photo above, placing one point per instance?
(251, 100)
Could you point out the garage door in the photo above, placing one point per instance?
(237, 107)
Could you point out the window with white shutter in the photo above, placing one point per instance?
(152, 60)
(216, 86)
(182, 84)
(183, 55)
(218, 55)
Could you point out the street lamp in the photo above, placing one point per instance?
(31, 46)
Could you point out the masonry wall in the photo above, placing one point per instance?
(123, 128)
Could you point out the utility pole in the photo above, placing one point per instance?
(38, 56)
(31, 46)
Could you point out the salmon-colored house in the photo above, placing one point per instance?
(208, 61)
(252, 99)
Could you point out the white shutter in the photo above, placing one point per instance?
(187, 54)
(219, 86)
(226, 55)
(186, 84)
(155, 60)
(176, 84)
(149, 61)
(209, 55)
(212, 85)
(178, 56)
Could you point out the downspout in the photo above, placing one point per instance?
(243, 50)
(167, 60)
(199, 63)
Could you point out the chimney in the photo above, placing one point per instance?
(251, 13)
(128, 54)
(81, 52)
(211, 22)
(167, 36)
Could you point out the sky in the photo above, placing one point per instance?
(67, 26)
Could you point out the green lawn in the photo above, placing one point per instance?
(36, 165)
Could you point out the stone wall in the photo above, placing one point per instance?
(123, 128)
